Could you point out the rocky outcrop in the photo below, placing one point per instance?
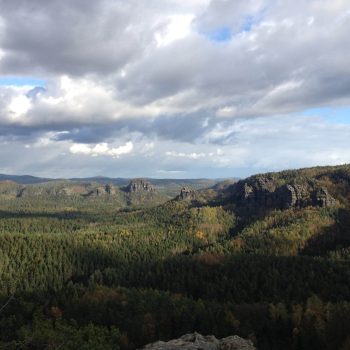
(187, 193)
(106, 190)
(263, 192)
(140, 185)
(196, 341)
(293, 195)
(322, 198)
(10, 189)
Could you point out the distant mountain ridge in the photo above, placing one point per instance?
(120, 191)
(118, 181)
(24, 179)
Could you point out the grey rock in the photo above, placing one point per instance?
(106, 190)
(196, 341)
(140, 185)
(110, 189)
(236, 343)
(322, 198)
(187, 193)
(260, 193)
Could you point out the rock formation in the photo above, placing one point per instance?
(106, 190)
(322, 198)
(196, 341)
(187, 193)
(263, 192)
(140, 185)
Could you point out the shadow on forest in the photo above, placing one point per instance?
(144, 314)
(61, 215)
(235, 278)
(331, 238)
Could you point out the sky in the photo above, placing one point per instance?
(173, 88)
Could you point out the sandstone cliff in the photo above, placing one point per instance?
(196, 341)
(187, 193)
(263, 192)
(140, 185)
(106, 190)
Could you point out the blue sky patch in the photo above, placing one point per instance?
(252, 20)
(221, 34)
(338, 115)
(224, 33)
(248, 24)
(21, 81)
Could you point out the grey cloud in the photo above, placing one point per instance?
(250, 147)
(191, 93)
(231, 14)
(69, 37)
(183, 128)
(244, 71)
(35, 92)
(102, 37)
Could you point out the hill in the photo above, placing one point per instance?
(23, 179)
(82, 192)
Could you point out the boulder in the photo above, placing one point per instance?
(196, 341)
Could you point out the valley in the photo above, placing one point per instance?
(124, 264)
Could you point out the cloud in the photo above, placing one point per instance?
(174, 68)
(19, 106)
(231, 14)
(183, 77)
(192, 155)
(176, 28)
(229, 149)
(101, 149)
(74, 38)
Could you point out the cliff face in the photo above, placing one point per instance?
(106, 190)
(187, 193)
(140, 185)
(197, 341)
(264, 192)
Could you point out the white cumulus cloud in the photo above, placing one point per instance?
(192, 155)
(101, 149)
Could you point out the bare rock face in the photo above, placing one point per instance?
(263, 192)
(236, 343)
(140, 185)
(196, 341)
(322, 198)
(110, 189)
(187, 193)
(106, 190)
(293, 195)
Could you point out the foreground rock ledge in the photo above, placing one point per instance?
(196, 341)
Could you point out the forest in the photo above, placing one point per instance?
(266, 258)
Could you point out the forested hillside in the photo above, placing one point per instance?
(92, 192)
(267, 258)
